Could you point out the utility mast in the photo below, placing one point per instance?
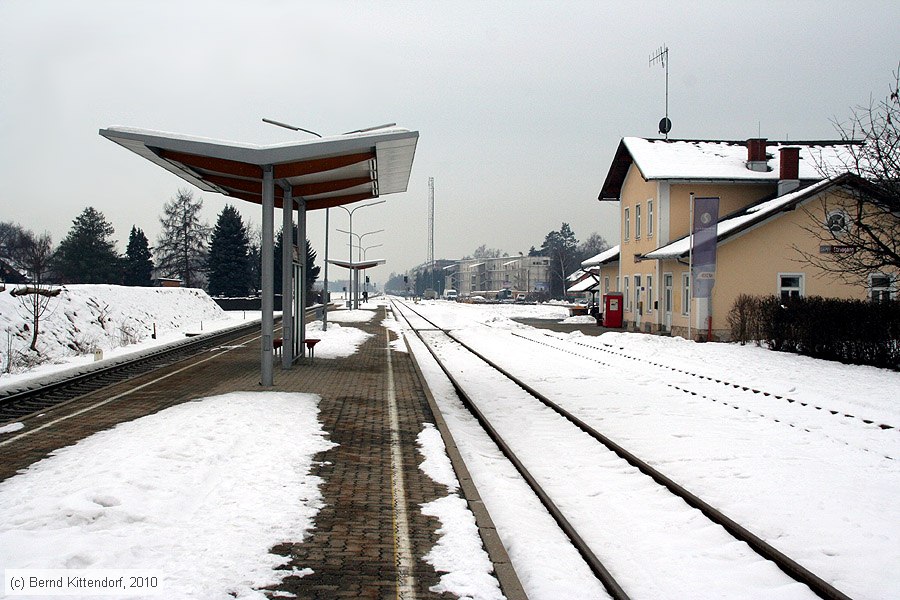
(430, 260)
(661, 56)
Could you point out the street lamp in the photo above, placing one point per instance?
(355, 301)
(364, 250)
(359, 255)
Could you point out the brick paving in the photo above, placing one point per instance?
(351, 549)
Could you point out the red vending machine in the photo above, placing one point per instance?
(612, 309)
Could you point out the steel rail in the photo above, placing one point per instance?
(594, 563)
(788, 565)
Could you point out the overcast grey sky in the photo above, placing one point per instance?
(520, 105)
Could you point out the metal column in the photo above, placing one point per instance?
(301, 283)
(267, 274)
(287, 287)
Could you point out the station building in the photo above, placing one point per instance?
(774, 206)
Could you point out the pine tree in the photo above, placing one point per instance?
(228, 267)
(87, 254)
(138, 264)
(181, 246)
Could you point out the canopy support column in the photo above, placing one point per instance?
(301, 282)
(287, 283)
(267, 270)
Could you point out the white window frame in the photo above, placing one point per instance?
(668, 293)
(686, 293)
(800, 289)
(637, 221)
(627, 292)
(649, 279)
(890, 288)
(637, 294)
(627, 235)
(650, 218)
(606, 285)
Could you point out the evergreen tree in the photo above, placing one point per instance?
(228, 267)
(138, 264)
(87, 254)
(562, 249)
(181, 246)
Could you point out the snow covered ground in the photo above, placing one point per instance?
(820, 486)
(197, 493)
(804, 471)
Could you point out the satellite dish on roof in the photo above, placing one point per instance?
(665, 125)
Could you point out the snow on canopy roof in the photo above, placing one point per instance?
(711, 160)
(585, 285)
(604, 257)
(743, 219)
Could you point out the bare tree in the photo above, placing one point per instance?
(35, 255)
(860, 223)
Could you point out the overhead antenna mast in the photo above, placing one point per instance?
(661, 56)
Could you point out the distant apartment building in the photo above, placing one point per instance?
(525, 274)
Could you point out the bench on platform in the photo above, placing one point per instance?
(311, 346)
(277, 343)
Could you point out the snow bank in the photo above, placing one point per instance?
(86, 318)
(458, 553)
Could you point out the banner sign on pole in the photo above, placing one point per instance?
(703, 251)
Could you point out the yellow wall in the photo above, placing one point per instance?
(732, 197)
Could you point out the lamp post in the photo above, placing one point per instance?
(355, 302)
(359, 256)
(366, 281)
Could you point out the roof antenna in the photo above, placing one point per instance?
(662, 57)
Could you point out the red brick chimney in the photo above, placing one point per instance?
(789, 169)
(756, 155)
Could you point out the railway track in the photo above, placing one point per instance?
(738, 396)
(430, 332)
(34, 398)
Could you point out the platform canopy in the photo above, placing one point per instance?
(326, 172)
(301, 175)
(358, 265)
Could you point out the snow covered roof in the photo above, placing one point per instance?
(329, 171)
(715, 160)
(607, 256)
(585, 282)
(735, 223)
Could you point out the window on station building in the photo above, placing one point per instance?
(649, 307)
(606, 285)
(685, 293)
(881, 288)
(627, 293)
(790, 285)
(627, 234)
(637, 295)
(637, 222)
(649, 218)
(668, 284)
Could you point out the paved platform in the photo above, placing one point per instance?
(354, 550)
